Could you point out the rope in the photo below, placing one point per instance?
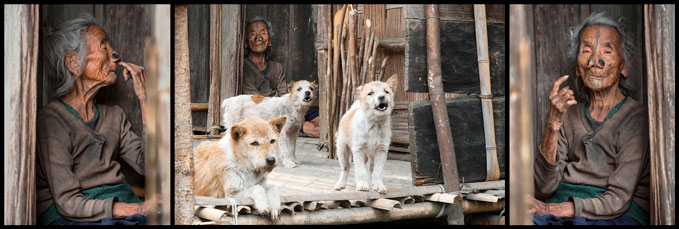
(443, 205)
(234, 212)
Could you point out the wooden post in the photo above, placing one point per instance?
(351, 53)
(232, 38)
(520, 108)
(158, 149)
(21, 64)
(492, 167)
(436, 95)
(183, 165)
(324, 28)
(659, 38)
(214, 100)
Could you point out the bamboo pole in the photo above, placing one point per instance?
(364, 43)
(184, 199)
(472, 206)
(344, 195)
(343, 215)
(436, 95)
(492, 167)
(368, 54)
(374, 58)
(380, 77)
(439, 110)
(520, 106)
(351, 52)
(384, 204)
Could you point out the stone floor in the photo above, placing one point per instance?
(318, 174)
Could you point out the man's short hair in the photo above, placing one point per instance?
(627, 50)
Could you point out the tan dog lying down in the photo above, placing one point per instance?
(293, 106)
(365, 133)
(237, 164)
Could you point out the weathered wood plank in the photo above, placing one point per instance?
(21, 65)
(457, 12)
(458, 57)
(466, 126)
(183, 165)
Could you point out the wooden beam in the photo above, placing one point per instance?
(342, 215)
(214, 100)
(21, 57)
(200, 106)
(184, 197)
(521, 104)
(343, 195)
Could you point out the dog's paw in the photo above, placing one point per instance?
(362, 186)
(275, 214)
(339, 186)
(289, 164)
(382, 189)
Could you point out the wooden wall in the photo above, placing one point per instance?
(660, 51)
(294, 30)
(124, 25)
(198, 17)
(551, 23)
(21, 65)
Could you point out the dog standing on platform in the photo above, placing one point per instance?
(237, 164)
(365, 133)
(293, 106)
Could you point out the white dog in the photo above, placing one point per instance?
(237, 164)
(365, 133)
(293, 106)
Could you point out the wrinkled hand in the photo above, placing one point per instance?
(559, 102)
(138, 75)
(538, 207)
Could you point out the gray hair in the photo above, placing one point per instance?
(627, 50)
(66, 37)
(268, 30)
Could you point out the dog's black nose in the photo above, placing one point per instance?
(307, 93)
(381, 97)
(115, 56)
(270, 160)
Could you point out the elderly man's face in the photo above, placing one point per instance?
(600, 60)
(101, 60)
(258, 37)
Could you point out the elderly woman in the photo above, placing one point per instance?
(261, 75)
(594, 157)
(78, 178)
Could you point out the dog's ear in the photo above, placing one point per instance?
(292, 82)
(314, 85)
(277, 123)
(237, 132)
(358, 91)
(393, 82)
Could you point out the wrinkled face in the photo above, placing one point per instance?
(258, 37)
(378, 97)
(303, 91)
(600, 59)
(101, 60)
(255, 142)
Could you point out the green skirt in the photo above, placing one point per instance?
(565, 191)
(122, 192)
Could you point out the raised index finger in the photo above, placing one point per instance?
(555, 87)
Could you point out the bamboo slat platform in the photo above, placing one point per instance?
(308, 197)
